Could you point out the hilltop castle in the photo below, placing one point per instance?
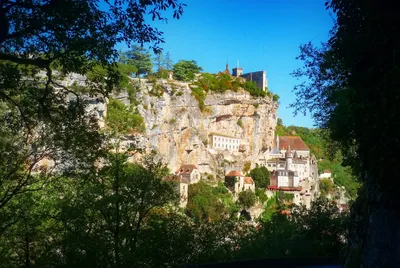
(259, 77)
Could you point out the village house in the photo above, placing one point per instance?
(326, 174)
(189, 172)
(182, 185)
(237, 182)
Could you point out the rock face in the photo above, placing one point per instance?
(175, 124)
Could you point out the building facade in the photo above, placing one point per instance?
(224, 142)
(237, 182)
(181, 186)
(189, 172)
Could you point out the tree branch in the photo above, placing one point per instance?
(41, 63)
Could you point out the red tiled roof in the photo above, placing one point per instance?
(327, 171)
(248, 180)
(186, 169)
(295, 143)
(234, 173)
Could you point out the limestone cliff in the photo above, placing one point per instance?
(175, 123)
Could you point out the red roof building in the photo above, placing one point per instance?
(292, 142)
(234, 173)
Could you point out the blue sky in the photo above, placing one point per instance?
(261, 34)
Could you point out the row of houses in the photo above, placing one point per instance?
(189, 174)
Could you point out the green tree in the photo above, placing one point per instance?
(207, 203)
(326, 186)
(139, 57)
(168, 62)
(260, 176)
(184, 70)
(247, 199)
(122, 119)
(353, 94)
(246, 167)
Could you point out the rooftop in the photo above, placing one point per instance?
(248, 180)
(186, 169)
(295, 143)
(222, 135)
(234, 173)
(176, 178)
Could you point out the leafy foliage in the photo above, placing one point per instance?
(253, 89)
(246, 199)
(138, 57)
(326, 186)
(260, 176)
(184, 70)
(122, 119)
(207, 203)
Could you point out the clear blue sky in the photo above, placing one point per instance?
(261, 34)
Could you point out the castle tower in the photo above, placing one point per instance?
(237, 72)
(289, 158)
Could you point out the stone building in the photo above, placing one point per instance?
(182, 184)
(326, 174)
(300, 160)
(189, 172)
(285, 178)
(237, 182)
(224, 142)
(259, 77)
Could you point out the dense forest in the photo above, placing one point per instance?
(70, 198)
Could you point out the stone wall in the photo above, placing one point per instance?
(259, 77)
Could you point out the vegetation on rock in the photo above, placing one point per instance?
(185, 70)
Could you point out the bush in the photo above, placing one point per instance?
(260, 176)
(240, 123)
(246, 199)
(262, 197)
(253, 89)
(275, 97)
(185, 70)
(200, 96)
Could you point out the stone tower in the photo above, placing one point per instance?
(237, 72)
(289, 158)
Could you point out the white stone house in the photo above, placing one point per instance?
(224, 142)
(190, 172)
(326, 174)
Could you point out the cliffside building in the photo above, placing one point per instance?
(189, 172)
(182, 184)
(237, 182)
(285, 178)
(300, 161)
(224, 142)
(259, 77)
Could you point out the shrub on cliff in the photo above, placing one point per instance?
(185, 70)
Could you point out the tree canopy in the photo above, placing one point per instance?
(352, 90)
(184, 70)
(260, 176)
(140, 58)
